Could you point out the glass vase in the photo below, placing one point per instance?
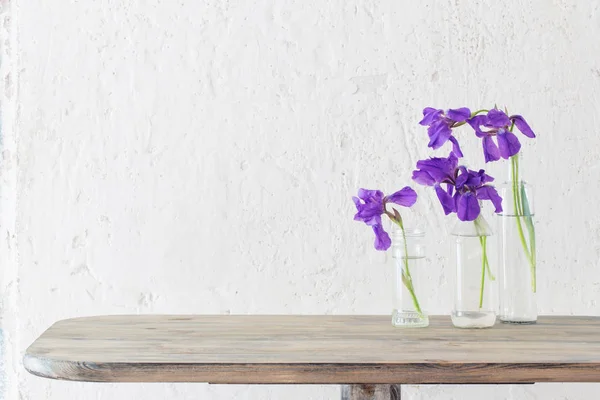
(474, 291)
(408, 257)
(517, 255)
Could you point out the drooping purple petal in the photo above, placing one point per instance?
(490, 193)
(523, 126)
(455, 147)
(430, 115)
(459, 114)
(404, 197)
(382, 239)
(490, 149)
(508, 143)
(497, 118)
(423, 178)
(439, 132)
(445, 199)
(467, 206)
(476, 122)
(356, 201)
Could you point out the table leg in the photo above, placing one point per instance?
(370, 392)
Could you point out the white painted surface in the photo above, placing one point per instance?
(199, 157)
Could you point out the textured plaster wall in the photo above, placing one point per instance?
(198, 157)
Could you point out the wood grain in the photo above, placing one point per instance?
(371, 392)
(314, 349)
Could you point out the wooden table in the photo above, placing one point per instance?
(365, 353)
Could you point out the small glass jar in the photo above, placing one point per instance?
(408, 256)
(517, 255)
(474, 291)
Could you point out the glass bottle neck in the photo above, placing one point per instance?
(477, 228)
(409, 244)
(517, 195)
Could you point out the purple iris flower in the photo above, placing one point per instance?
(464, 188)
(371, 204)
(498, 124)
(440, 126)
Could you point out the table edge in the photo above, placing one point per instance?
(313, 373)
(429, 372)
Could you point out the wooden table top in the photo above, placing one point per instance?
(313, 349)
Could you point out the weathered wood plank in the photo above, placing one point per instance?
(371, 392)
(314, 349)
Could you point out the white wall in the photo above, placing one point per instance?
(199, 157)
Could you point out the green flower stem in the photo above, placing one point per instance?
(485, 263)
(406, 277)
(483, 240)
(517, 205)
(520, 208)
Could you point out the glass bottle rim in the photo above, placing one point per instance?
(409, 232)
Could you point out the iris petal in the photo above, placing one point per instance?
(474, 179)
(485, 178)
(523, 126)
(369, 206)
(467, 207)
(445, 199)
(370, 195)
(382, 239)
(455, 147)
(438, 168)
(459, 114)
(476, 122)
(462, 177)
(508, 143)
(404, 197)
(423, 178)
(490, 193)
(430, 115)
(439, 133)
(490, 150)
(497, 118)
(369, 213)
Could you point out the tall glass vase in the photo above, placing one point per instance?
(474, 291)
(408, 256)
(517, 256)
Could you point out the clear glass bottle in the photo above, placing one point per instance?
(474, 291)
(517, 255)
(408, 256)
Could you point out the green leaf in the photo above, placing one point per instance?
(527, 214)
(524, 201)
(530, 229)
